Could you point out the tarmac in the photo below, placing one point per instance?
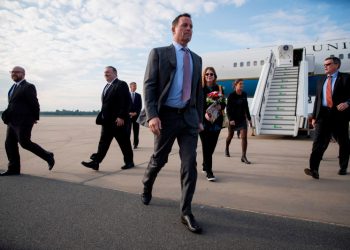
(269, 204)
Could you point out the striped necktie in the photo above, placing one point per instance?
(329, 92)
(186, 86)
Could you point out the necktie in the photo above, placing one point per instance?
(133, 96)
(186, 86)
(12, 89)
(106, 88)
(329, 92)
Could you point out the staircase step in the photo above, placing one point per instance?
(277, 126)
(280, 112)
(283, 108)
(282, 93)
(277, 122)
(280, 104)
(276, 132)
(283, 90)
(272, 101)
(280, 117)
(284, 86)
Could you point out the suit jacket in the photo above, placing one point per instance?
(159, 75)
(23, 107)
(136, 106)
(341, 93)
(115, 103)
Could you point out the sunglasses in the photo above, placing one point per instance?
(209, 74)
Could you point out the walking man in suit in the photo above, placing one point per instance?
(20, 116)
(174, 110)
(135, 109)
(114, 118)
(331, 116)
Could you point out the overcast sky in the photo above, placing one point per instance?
(64, 45)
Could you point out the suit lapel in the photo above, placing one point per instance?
(337, 83)
(17, 90)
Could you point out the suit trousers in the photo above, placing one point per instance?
(135, 128)
(174, 127)
(110, 131)
(327, 125)
(21, 134)
(209, 140)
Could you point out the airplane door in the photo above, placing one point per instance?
(285, 55)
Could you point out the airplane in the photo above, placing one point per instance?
(259, 66)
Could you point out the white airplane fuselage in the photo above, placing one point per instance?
(247, 64)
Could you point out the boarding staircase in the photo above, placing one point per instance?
(279, 117)
(280, 101)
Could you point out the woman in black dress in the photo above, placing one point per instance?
(238, 113)
(209, 136)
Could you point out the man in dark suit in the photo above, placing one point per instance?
(114, 118)
(20, 116)
(173, 110)
(135, 109)
(331, 116)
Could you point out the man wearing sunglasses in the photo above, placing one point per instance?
(331, 116)
(20, 116)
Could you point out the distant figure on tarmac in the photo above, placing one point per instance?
(135, 109)
(331, 116)
(174, 110)
(238, 113)
(22, 113)
(114, 119)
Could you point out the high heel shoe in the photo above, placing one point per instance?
(227, 152)
(245, 160)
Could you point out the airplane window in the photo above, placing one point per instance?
(248, 64)
(256, 63)
(331, 56)
(235, 64)
(241, 64)
(262, 62)
(349, 56)
(341, 56)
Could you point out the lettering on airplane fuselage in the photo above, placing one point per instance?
(329, 46)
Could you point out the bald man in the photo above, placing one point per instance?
(20, 116)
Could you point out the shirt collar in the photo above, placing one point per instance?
(335, 74)
(112, 81)
(18, 83)
(178, 46)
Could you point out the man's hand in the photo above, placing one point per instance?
(200, 127)
(342, 106)
(155, 125)
(119, 122)
(132, 114)
(313, 122)
(232, 123)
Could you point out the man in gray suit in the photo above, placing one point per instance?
(174, 110)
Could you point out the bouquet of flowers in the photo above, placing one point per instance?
(213, 100)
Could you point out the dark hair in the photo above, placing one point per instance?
(111, 67)
(238, 81)
(176, 20)
(203, 76)
(335, 60)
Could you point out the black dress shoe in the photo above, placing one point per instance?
(312, 173)
(146, 198)
(92, 164)
(51, 161)
(127, 166)
(190, 223)
(245, 160)
(8, 173)
(342, 171)
(135, 146)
